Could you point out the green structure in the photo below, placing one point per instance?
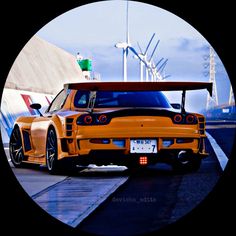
(85, 64)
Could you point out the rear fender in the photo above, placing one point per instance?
(38, 132)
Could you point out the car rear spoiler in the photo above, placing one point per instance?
(142, 86)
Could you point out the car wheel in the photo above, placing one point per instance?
(51, 151)
(186, 162)
(16, 148)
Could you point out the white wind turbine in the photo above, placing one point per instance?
(151, 68)
(160, 69)
(151, 64)
(127, 46)
(157, 69)
(144, 60)
(157, 73)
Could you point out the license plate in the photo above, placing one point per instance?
(143, 146)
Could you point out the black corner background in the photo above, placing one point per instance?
(20, 20)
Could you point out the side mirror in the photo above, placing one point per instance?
(175, 105)
(36, 106)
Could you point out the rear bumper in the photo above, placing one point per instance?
(119, 148)
(85, 146)
(106, 157)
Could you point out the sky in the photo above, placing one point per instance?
(95, 28)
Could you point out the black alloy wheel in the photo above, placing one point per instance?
(16, 148)
(51, 151)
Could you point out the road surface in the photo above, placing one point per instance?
(112, 200)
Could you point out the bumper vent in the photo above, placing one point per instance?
(69, 126)
(201, 125)
(27, 143)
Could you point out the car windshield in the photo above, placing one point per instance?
(105, 99)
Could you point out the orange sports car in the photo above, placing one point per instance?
(123, 123)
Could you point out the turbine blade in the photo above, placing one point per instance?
(139, 48)
(167, 76)
(154, 50)
(133, 50)
(161, 68)
(159, 62)
(149, 43)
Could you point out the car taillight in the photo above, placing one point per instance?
(102, 119)
(184, 119)
(178, 118)
(93, 119)
(88, 119)
(190, 119)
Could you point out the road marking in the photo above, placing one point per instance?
(222, 158)
(98, 202)
(6, 149)
(220, 126)
(73, 199)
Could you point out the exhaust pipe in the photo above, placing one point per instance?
(183, 157)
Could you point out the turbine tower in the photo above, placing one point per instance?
(231, 96)
(212, 101)
(127, 46)
(151, 64)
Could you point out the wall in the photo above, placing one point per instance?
(37, 75)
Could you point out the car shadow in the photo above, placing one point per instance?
(160, 169)
(155, 170)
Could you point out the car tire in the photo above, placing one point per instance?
(52, 151)
(16, 148)
(185, 162)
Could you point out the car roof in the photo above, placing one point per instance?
(140, 86)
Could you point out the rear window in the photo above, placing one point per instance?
(105, 99)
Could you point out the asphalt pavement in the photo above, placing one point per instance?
(152, 199)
